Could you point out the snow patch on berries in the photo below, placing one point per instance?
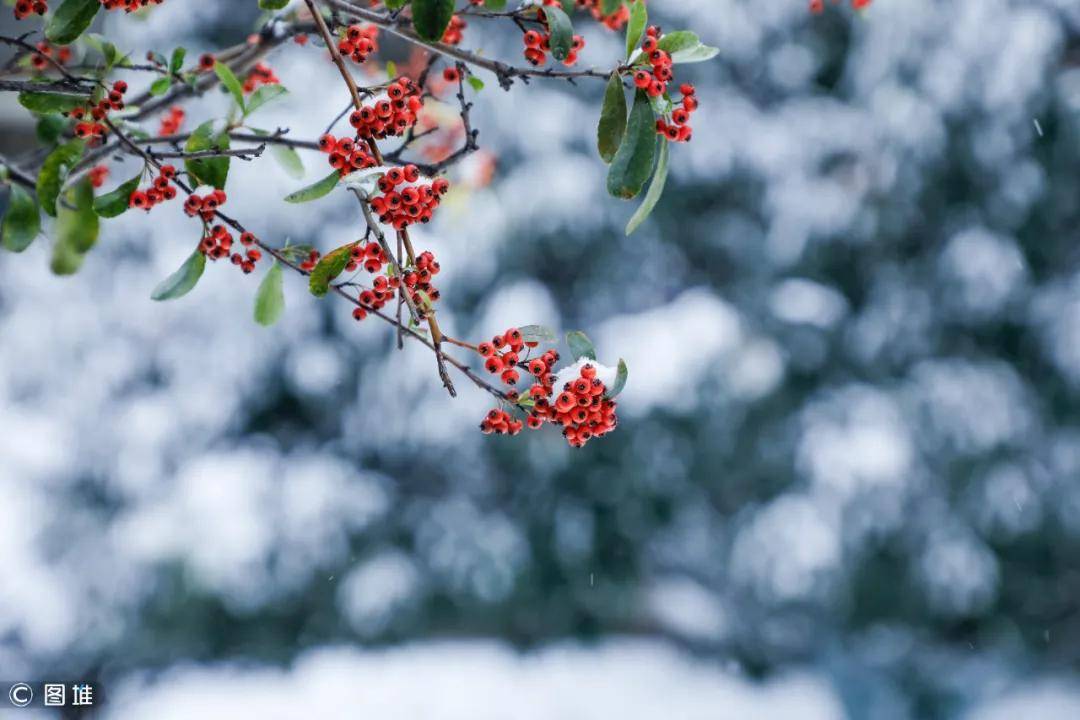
(572, 372)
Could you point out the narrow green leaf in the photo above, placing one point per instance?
(673, 42)
(607, 7)
(316, 190)
(621, 374)
(71, 20)
(431, 18)
(53, 171)
(656, 189)
(270, 299)
(289, 160)
(77, 224)
(208, 171)
(262, 96)
(65, 260)
(273, 4)
(329, 267)
(633, 163)
(22, 222)
(580, 345)
(49, 128)
(176, 62)
(47, 102)
(476, 83)
(161, 86)
(115, 203)
(695, 54)
(639, 18)
(609, 134)
(228, 79)
(495, 4)
(561, 29)
(183, 280)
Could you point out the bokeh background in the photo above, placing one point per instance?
(845, 483)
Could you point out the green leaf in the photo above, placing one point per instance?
(329, 267)
(228, 79)
(656, 189)
(116, 203)
(537, 333)
(176, 62)
(46, 102)
(49, 128)
(315, 191)
(289, 160)
(580, 345)
(639, 18)
(607, 7)
(612, 119)
(65, 260)
(698, 53)
(71, 20)
(270, 299)
(183, 280)
(633, 163)
(273, 4)
(562, 31)
(262, 96)
(208, 171)
(77, 224)
(161, 86)
(391, 69)
(477, 83)
(431, 18)
(395, 4)
(53, 172)
(621, 374)
(22, 222)
(673, 42)
(495, 5)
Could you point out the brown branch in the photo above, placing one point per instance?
(504, 72)
(442, 358)
(403, 235)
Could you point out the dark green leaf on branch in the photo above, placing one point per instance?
(22, 222)
(183, 280)
(612, 119)
(633, 163)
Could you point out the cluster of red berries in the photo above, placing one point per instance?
(679, 130)
(538, 45)
(39, 60)
(502, 355)
(170, 124)
(206, 205)
(405, 200)
(392, 115)
(217, 243)
(26, 8)
(261, 74)
(94, 129)
(654, 81)
(359, 42)
(159, 191)
(580, 408)
(612, 21)
(311, 261)
(128, 5)
(98, 175)
(345, 154)
(417, 280)
(500, 422)
(454, 33)
(817, 6)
